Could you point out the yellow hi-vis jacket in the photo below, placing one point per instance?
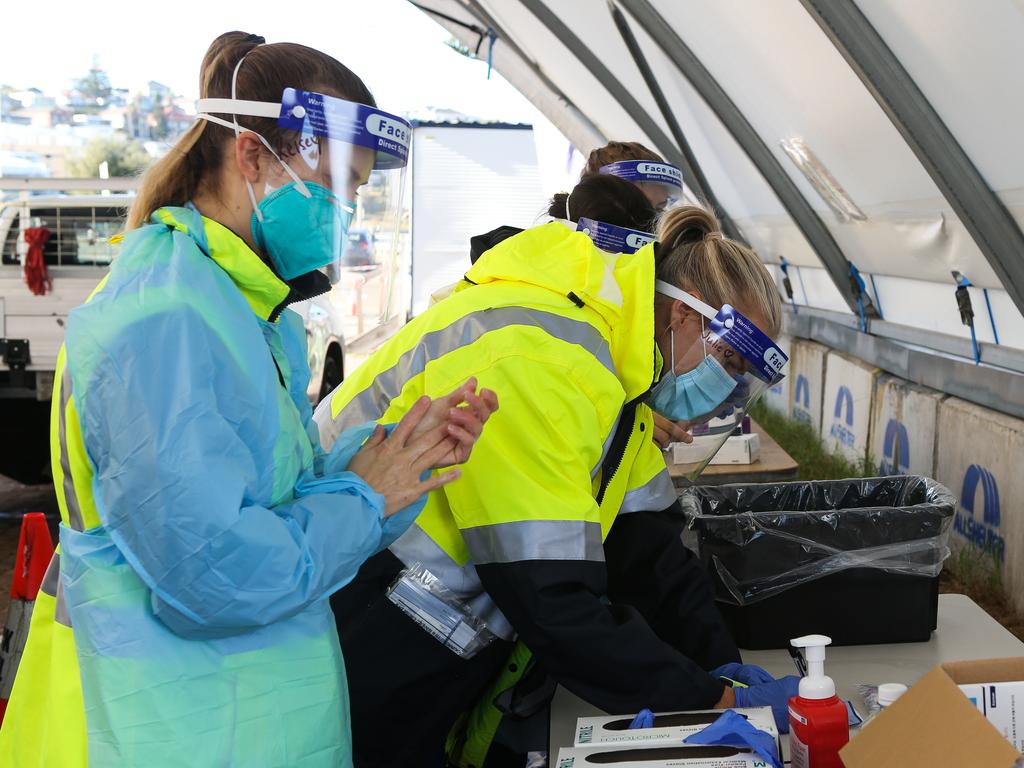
(564, 333)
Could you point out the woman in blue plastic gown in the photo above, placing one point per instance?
(185, 620)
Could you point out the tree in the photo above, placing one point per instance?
(123, 158)
(95, 86)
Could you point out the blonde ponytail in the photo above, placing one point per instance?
(695, 255)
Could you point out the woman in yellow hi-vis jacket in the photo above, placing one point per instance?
(579, 340)
(185, 619)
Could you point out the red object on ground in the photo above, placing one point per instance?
(36, 276)
(35, 548)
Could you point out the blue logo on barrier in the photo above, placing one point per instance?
(895, 450)
(840, 431)
(802, 399)
(981, 534)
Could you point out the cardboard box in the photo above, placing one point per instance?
(935, 724)
(669, 728)
(684, 756)
(737, 449)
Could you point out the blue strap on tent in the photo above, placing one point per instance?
(492, 36)
(858, 287)
(991, 317)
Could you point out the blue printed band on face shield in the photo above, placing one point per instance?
(613, 239)
(313, 113)
(646, 172)
(766, 360)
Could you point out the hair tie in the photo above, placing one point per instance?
(258, 39)
(714, 236)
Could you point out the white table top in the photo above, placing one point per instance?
(965, 632)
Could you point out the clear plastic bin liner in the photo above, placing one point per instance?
(762, 539)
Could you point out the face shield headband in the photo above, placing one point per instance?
(728, 327)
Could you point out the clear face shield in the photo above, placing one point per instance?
(662, 183)
(712, 382)
(332, 201)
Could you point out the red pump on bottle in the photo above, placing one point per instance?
(818, 724)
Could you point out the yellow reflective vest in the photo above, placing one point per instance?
(564, 333)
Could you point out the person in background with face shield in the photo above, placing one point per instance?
(185, 620)
(661, 182)
(543, 561)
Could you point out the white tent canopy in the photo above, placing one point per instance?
(863, 187)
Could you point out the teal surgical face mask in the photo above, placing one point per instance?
(299, 232)
(696, 393)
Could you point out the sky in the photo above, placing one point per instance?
(397, 49)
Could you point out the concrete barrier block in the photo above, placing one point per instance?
(979, 459)
(780, 397)
(807, 369)
(904, 427)
(846, 405)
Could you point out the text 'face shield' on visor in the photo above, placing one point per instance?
(613, 239)
(334, 201)
(722, 374)
(364, 152)
(661, 182)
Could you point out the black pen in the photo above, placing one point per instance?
(798, 659)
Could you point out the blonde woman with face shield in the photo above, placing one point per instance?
(536, 562)
(185, 619)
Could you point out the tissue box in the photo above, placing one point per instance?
(738, 449)
(670, 728)
(659, 757)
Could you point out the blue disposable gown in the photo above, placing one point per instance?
(199, 598)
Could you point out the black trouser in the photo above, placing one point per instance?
(405, 688)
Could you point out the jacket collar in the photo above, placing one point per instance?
(266, 293)
(618, 288)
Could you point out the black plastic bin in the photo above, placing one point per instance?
(857, 560)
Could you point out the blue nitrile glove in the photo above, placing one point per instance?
(748, 674)
(734, 730)
(775, 695)
(644, 719)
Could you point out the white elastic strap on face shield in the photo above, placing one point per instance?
(235, 107)
(667, 289)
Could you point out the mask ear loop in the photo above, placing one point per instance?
(567, 217)
(238, 130)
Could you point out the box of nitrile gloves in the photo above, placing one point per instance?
(669, 727)
(681, 755)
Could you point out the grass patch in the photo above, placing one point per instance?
(802, 442)
(973, 572)
(968, 571)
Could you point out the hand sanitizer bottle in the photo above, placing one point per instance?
(818, 725)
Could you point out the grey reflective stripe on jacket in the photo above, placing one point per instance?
(656, 494)
(415, 546)
(52, 587)
(514, 542)
(372, 402)
(75, 519)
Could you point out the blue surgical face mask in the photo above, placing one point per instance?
(301, 234)
(687, 396)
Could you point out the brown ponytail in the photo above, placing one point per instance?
(694, 255)
(198, 155)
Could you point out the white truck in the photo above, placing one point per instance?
(360, 309)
